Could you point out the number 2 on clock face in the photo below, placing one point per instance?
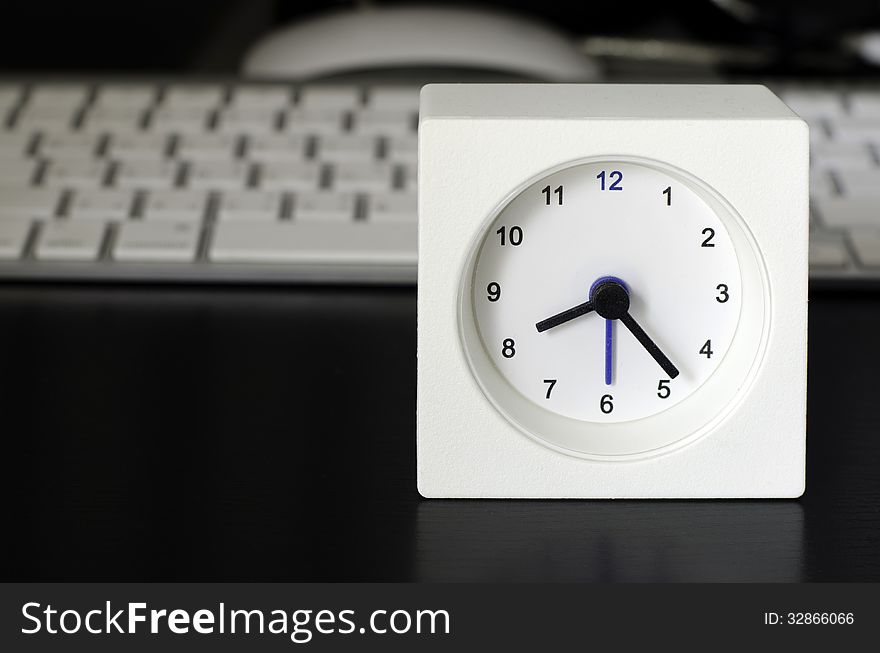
(601, 299)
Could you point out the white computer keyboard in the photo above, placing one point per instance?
(208, 182)
(845, 180)
(272, 182)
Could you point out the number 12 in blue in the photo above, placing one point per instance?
(615, 177)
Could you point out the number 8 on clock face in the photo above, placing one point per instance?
(607, 291)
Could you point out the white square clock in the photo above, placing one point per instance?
(612, 292)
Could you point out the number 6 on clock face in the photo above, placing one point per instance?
(615, 305)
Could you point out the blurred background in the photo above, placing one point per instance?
(207, 276)
(802, 37)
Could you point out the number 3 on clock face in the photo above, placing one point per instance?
(607, 291)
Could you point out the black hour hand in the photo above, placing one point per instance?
(564, 316)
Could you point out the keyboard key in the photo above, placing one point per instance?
(26, 202)
(66, 96)
(856, 130)
(313, 122)
(68, 144)
(323, 206)
(97, 120)
(125, 96)
(403, 149)
(181, 119)
(840, 155)
(104, 204)
(248, 120)
(127, 146)
(859, 183)
(196, 96)
(276, 147)
(250, 205)
(207, 146)
(290, 175)
(346, 148)
(275, 96)
(175, 205)
(15, 143)
(329, 97)
(13, 236)
(394, 98)
(828, 253)
(68, 240)
(384, 123)
(146, 174)
(45, 119)
(218, 175)
(866, 243)
(319, 243)
(17, 170)
(392, 207)
(362, 177)
(844, 212)
(76, 173)
(162, 241)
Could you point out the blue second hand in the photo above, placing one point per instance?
(609, 349)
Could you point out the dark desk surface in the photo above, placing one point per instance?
(192, 434)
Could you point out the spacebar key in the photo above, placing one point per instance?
(352, 243)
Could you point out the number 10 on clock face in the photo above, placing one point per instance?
(607, 291)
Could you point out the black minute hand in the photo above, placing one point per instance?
(564, 316)
(651, 347)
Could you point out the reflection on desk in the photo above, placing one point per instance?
(610, 541)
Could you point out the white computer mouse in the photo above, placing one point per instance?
(362, 40)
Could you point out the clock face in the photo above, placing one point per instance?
(607, 291)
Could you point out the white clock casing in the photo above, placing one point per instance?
(742, 432)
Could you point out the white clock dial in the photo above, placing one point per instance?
(607, 291)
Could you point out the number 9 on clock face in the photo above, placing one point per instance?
(607, 291)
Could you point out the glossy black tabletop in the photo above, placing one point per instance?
(221, 433)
